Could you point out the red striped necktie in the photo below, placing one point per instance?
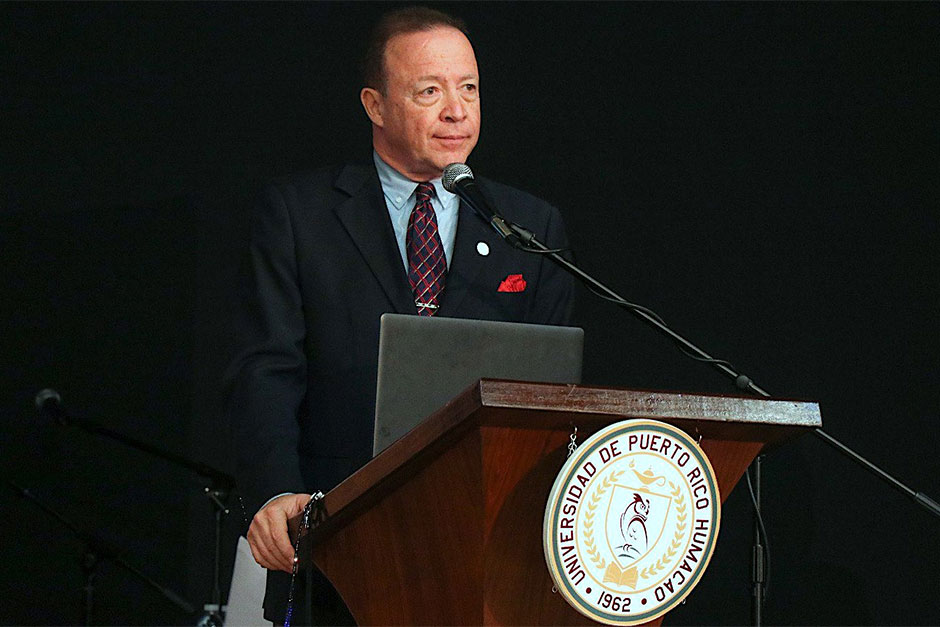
(427, 266)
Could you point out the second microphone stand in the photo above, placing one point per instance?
(221, 485)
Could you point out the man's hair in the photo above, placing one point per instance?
(400, 22)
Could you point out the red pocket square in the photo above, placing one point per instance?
(512, 283)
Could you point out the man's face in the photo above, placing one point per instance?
(429, 116)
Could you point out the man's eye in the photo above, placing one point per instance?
(470, 87)
(429, 91)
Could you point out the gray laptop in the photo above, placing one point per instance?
(424, 362)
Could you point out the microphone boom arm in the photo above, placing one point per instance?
(741, 381)
(48, 401)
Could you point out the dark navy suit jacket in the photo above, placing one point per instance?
(323, 266)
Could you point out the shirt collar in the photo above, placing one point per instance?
(398, 188)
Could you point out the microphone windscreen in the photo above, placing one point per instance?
(45, 395)
(453, 173)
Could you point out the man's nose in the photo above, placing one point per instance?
(455, 109)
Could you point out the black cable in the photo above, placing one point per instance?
(640, 308)
(539, 251)
(763, 531)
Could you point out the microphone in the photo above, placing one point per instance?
(458, 179)
(49, 404)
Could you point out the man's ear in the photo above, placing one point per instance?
(372, 102)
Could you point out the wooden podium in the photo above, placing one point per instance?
(445, 526)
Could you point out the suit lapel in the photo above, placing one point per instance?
(467, 262)
(365, 217)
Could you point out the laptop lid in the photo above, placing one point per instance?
(424, 362)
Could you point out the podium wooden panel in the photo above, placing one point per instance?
(445, 526)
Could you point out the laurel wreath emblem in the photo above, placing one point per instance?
(592, 505)
(673, 548)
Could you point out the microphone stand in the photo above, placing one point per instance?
(526, 241)
(218, 491)
(97, 549)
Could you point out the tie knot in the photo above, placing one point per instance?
(424, 192)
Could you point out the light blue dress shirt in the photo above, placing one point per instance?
(400, 198)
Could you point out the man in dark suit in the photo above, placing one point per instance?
(333, 250)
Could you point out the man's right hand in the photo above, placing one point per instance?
(267, 535)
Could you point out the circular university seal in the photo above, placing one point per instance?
(631, 522)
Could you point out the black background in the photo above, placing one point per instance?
(762, 175)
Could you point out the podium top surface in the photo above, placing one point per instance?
(600, 403)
